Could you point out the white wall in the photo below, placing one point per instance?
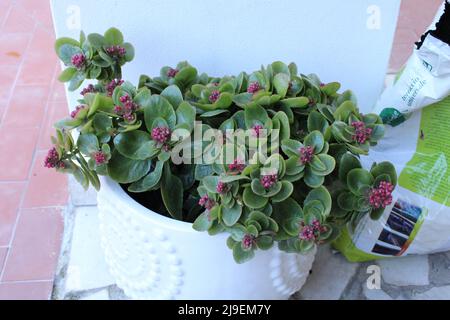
(347, 41)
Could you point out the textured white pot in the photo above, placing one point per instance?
(154, 257)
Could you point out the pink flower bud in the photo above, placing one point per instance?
(171, 73)
(161, 134)
(268, 181)
(306, 154)
(253, 87)
(78, 60)
(381, 196)
(215, 95)
(362, 134)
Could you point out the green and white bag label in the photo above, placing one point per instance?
(418, 220)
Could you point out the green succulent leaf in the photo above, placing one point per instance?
(125, 170)
(129, 55)
(240, 255)
(346, 201)
(328, 163)
(281, 83)
(291, 147)
(376, 214)
(67, 51)
(143, 97)
(172, 193)
(231, 215)
(299, 102)
(316, 121)
(173, 95)
(150, 181)
(253, 200)
(347, 163)
(159, 108)
(242, 99)
(345, 110)
(114, 37)
(186, 76)
(288, 214)
(264, 242)
(88, 143)
(357, 179)
(67, 74)
(210, 183)
(311, 179)
(255, 115)
(285, 192)
(385, 168)
(186, 115)
(315, 139)
(136, 145)
(203, 222)
(320, 194)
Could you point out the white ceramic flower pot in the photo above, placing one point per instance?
(154, 257)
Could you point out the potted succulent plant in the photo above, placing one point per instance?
(266, 163)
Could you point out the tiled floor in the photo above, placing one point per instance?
(32, 198)
(415, 17)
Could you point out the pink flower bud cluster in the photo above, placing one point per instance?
(381, 196)
(52, 160)
(253, 87)
(100, 158)
(312, 232)
(247, 241)
(161, 134)
(236, 166)
(215, 95)
(116, 51)
(206, 202)
(222, 188)
(112, 85)
(267, 181)
(171, 73)
(306, 154)
(78, 60)
(257, 128)
(75, 112)
(89, 89)
(362, 134)
(127, 109)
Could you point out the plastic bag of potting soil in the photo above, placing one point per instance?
(418, 220)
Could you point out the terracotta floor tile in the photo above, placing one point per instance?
(46, 187)
(18, 20)
(58, 92)
(16, 152)
(8, 76)
(4, 10)
(400, 54)
(32, 5)
(42, 44)
(12, 47)
(3, 252)
(37, 69)
(35, 248)
(43, 15)
(26, 290)
(2, 110)
(405, 36)
(415, 17)
(27, 106)
(10, 197)
(57, 111)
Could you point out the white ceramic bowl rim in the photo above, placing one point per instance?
(113, 188)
